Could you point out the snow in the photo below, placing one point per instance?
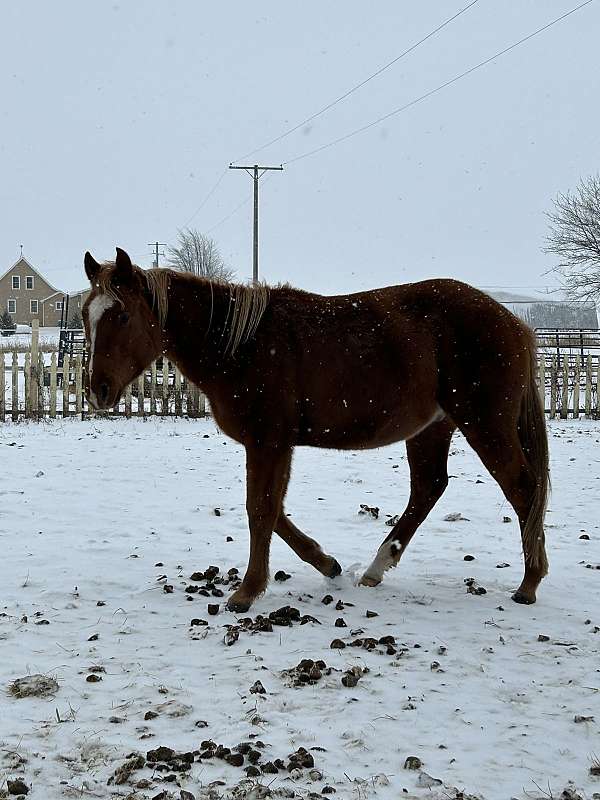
(97, 516)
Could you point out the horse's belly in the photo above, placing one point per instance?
(376, 430)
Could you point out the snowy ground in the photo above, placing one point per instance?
(94, 515)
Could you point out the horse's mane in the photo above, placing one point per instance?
(247, 303)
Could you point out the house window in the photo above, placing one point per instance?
(29, 282)
(16, 281)
(12, 306)
(33, 306)
(59, 305)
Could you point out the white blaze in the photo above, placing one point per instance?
(98, 306)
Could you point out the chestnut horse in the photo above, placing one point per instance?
(282, 367)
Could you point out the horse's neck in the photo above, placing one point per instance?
(195, 330)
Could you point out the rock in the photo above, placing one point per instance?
(123, 773)
(349, 680)
(280, 575)
(17, 787)
(252, 771)
(455, 516)
(425, 781)
(506, 519)
(213, 609)
(160, 754)
(585, 537)
(580, 718)
(543, 638)
(257, 688)
(328, 790)
(33, 686)
(468, 558)
(412, 762)
(150, 715)
(327, 600)
(235, 759)
(337, 644)
(340, 623)
(372, 511)
(371, 614)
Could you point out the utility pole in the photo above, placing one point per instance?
(156, 245)
(256, 172)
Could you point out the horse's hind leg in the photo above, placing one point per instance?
(502, 454)
(428, 458)
(305, 547)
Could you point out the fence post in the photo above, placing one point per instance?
(53, 386)
(2, 388)
(27, 383)
(177, 390)
(66, 385)
(79, 386)
(542, 380)
(15, 386)
(576, 379)
(165, 387)
(153, 388)
(33, 369)
(141, 399)
(128, 401)
(564, 406)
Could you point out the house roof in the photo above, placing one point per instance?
(23, 260)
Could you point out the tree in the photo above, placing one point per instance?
(561, 315)
(76, 320)
(199, 255)
(575, 238)
(6, 321)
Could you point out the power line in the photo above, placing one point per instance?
(437, 88)
(207, 197)
(231, 213)
(359, 85)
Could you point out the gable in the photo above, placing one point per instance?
(22, 268)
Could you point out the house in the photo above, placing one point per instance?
(27, 295)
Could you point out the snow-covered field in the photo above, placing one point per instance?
(98, 517)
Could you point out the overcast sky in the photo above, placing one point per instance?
(119, 117)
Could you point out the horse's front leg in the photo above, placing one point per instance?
(266, 470)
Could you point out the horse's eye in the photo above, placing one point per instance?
(124, 318)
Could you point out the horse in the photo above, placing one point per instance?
(284, 368)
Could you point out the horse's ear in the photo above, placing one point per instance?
(92, 267)
(123, 266)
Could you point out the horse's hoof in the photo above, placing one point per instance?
(238, 606)
(367, 580)
(524, 599)
(334, 569)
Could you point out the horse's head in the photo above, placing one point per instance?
(122, 331)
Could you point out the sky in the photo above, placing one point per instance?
(118, 118)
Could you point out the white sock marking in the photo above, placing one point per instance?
(386, 557)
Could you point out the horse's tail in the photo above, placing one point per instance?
(534, 440)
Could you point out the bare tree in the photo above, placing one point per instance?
(575, 238)
(199, 255)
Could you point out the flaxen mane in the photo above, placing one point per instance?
(247, 304)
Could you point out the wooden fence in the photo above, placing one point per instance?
(570, 385)
(33, 386)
